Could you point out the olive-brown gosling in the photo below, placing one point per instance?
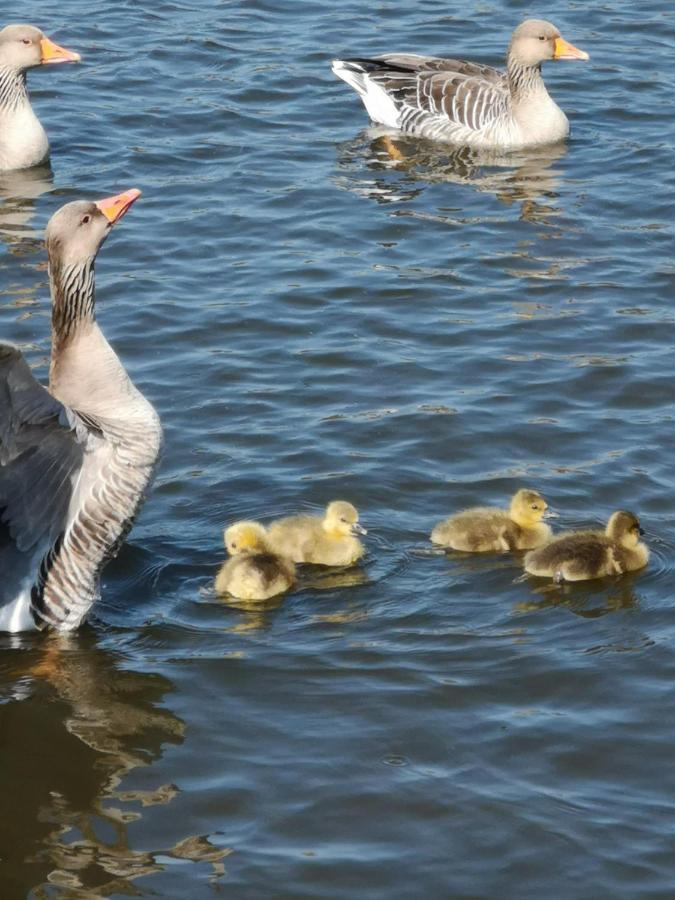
(329, 541)
(581, 555)
(486, 528)
(253, 571)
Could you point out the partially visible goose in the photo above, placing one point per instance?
(482, 529)
(253, 571)
(23, 142)
(467, 103)
(330, 541)
(582, 555)
(75, 460)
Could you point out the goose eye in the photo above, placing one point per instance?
(542, 37)
(25, 41)
(85, 219)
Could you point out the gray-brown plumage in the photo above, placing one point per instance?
(23, 142)
(466, 103)
(253, 571)
(482, 529)
(77, 459)
(582, 555)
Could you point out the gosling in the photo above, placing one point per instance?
(581, 555)
(330, 541)
(486, 528)
(253, 571)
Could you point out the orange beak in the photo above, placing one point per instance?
(52, 53)
(563, 50)
(113, 208)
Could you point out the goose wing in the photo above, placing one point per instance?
(470, 95)
(42, 447)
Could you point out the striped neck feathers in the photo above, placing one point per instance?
(13, 90)
(72, 299)
(523, 80)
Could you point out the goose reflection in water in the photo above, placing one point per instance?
(525, 177)
(589, 600)
(88, 723)
(18, 192)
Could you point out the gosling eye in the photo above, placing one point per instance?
(234, 545)
(85, 220)
(342, 519)
(534, 506)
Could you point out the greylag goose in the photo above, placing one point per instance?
(253, 572)
(482, 529)
(329, 541)
(466, 103)
(23, 142)
(75, 460)
(582, 555)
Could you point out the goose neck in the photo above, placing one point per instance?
(13, 91)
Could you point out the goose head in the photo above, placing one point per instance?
(342, 520)
(527, 508)
(76, 231)
(243, 537)
(535, 41)
(624, 528)
(24, 47)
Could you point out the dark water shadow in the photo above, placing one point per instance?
(403, 165)
(73, 724)
(18, 192)
(587, 599)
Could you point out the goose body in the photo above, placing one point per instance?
(77, 459)
(465, 103)
(327, 541)
(484, 529)
(253, 571)
(583, 555)
(23, 140)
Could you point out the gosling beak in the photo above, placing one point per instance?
(550, 513)
(564, 50)
(359, 529)
(51, 53)
(641, 530)
(113, 208)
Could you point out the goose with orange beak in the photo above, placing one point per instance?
(23, 141)
(77, 458)
(464, 103)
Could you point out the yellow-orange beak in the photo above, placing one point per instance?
(113, 208)
(564, 50)
(52, 53)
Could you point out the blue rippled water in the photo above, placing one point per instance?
(315, 317)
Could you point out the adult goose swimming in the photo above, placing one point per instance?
(23, 142)
(75, 460)
(467, 103)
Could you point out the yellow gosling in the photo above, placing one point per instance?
(253, 571)
(330, 541)
(486, 528)
(581, 555)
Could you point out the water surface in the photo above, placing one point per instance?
(316, 316)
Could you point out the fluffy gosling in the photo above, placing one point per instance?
(329, 541)
(253, 571)
(486, 528)
(581, 555)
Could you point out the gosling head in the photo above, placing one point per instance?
(76, 231)
(536, 41)
(624, 527)
(243, 537)
(24, 47)
(527, 508)
(342, 520)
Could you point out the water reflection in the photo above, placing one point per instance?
(527, 178)
(18, 192)
(73, 724)
(589, 600)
